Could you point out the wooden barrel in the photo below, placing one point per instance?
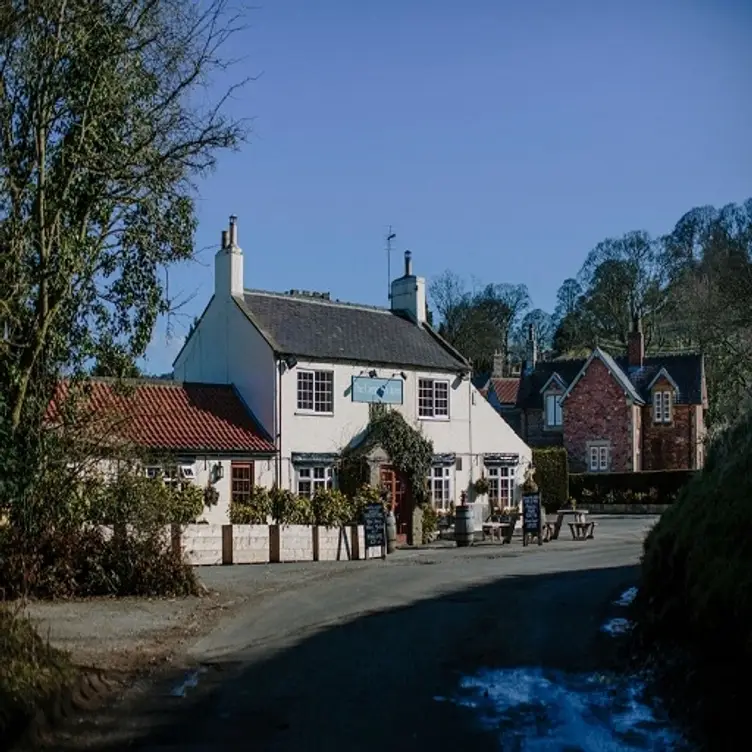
(391, 532)
(464, 525)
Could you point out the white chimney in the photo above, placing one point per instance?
(228, 263)
(409, 293)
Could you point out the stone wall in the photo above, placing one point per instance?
(250, 544)
(596, 410)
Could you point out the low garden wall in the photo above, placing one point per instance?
(627, 508)
(203, 545)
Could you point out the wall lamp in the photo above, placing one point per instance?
(291, 361)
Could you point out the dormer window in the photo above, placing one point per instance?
(662, 406)
(554, 417)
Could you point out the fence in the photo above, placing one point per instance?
(262, 544)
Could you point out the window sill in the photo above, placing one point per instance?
(313, 413)
(435, 418)
(553, 429)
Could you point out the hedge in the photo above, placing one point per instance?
(654, 486)
(552, 476)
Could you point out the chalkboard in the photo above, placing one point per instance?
(375, 525)
(531, 513)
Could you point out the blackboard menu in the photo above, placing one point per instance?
(374, 521)
(531, 513)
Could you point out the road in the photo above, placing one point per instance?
(358, 656)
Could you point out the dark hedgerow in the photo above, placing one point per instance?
(552, 476)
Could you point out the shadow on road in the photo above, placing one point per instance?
(371, 683)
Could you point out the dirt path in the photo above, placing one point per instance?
(360, 662)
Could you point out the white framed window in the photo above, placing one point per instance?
(440, 486)
(433, 398)
(171, 476)
(312, 479)
(662, 407)
(554, 416)
(600, 459)
(501, 482)
(187, 472)
(153, 471)
(316, 391)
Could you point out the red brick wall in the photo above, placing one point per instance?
(668, 446)
(597, 410)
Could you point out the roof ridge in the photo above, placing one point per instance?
(317, 301)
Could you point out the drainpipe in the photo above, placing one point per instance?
(470, 427)
(278, 463)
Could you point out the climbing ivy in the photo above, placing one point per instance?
(410, 452)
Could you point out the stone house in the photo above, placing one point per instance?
(311, 368)
(616, 414)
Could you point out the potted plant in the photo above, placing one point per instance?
(482, 486)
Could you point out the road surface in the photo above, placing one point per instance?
(359, 656)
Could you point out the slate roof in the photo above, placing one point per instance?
(322, 329)
(171, 416)
(685, 369)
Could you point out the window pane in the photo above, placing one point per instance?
(593, 458)
(557, 410)
(305, 390)
(604, 458)
(241, 481)
(425, 398)
(324, 392)
(441, 398)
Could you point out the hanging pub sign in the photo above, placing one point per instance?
(375, 390)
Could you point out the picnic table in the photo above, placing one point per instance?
(580, 526)
(499, 527)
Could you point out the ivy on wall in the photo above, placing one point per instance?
(410, 452)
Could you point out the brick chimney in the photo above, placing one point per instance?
(531, 350)
(636, 344)
(499, 365)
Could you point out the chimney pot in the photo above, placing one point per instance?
(233, 230)
(408, 264)
(225, 238)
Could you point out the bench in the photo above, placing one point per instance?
(582, 530)
(502, 531)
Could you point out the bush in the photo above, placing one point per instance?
(552, 476)
(430, 522)
(331, 508)
(289, 509)
(256, 511)
(650, 487)
(32, 672)
(696, 589)
(82, 562)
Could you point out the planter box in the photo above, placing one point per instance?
(250, 544)
(201, 544)
(290, 543)
(332, 544)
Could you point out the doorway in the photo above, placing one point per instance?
(396, 486)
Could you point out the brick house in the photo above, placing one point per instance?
(616, 414)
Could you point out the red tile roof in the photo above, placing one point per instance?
(172, 416)
(506, 389)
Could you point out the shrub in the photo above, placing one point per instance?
(32, 672)
(696, 583)
(430, 522)
(651, 487)
(82, 562)
(289, 509)
(552, 476)
(331, 508)
(256, 511)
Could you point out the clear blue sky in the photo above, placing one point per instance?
(502, 139)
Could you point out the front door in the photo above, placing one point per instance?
(396, 487)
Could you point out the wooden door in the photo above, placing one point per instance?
(395, 485)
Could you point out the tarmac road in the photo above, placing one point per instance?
(355, 659)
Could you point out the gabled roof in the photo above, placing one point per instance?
(557, 381)
(662, 374)
(613, 368)
(686, 370)
(506, 389)
(168, 415)
(322, 329)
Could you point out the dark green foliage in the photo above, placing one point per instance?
(650, 487)
(32, 672)
(430, 522)
(289, 509)
(552, 476)
(256, 511)
(84, 562)
(696, 588)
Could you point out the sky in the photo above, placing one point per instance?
(500, 139)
